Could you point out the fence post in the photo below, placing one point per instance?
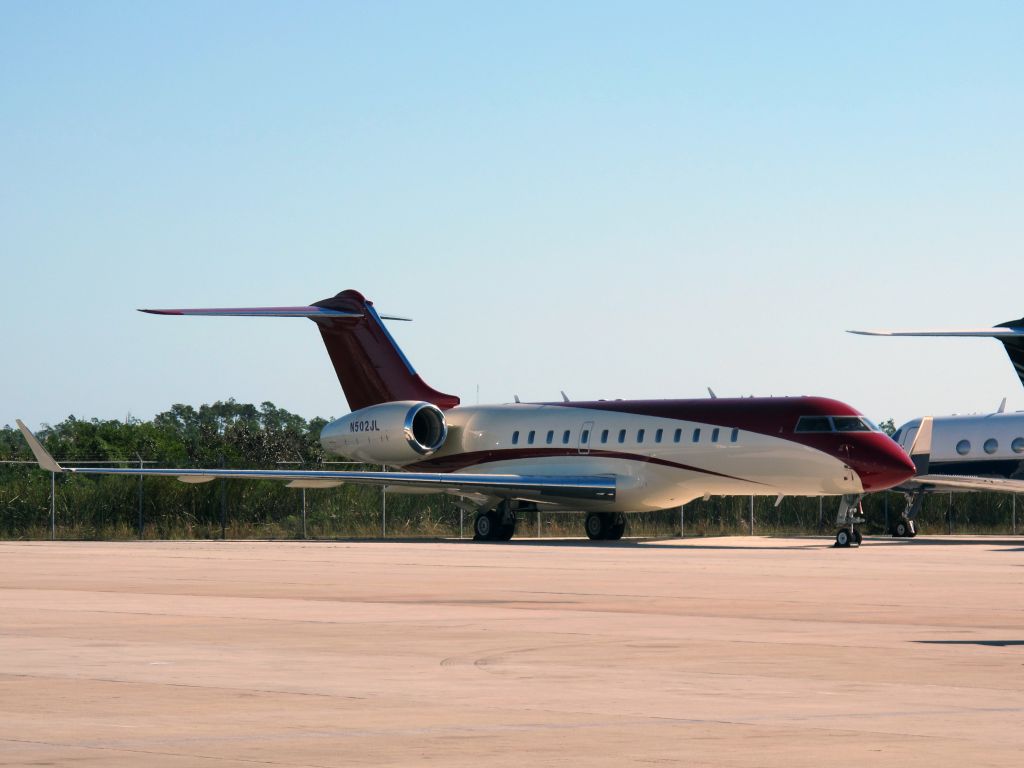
(538, 522)
(682, 521)
(53, 506)
(141, 529)
(303, 513)
(752, 516)
(949, 514)
(383, 506)
(1013, 501)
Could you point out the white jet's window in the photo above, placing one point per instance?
(714, 435)
(991, 445)
(734, 436)
(677, 436)
(604, 435)
(530, 436)
(551, 437)
(565, 437)
(622, 435)
(963, 447)
(696, 435)
(1017, 445)
(640, 435)
(658, 434)
(515, 437)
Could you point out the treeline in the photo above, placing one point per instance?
(240, 435)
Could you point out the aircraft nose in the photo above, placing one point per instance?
(881, 463)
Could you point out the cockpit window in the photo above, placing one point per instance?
(896, 435)
(814, 424)
(851, 424)
(835, 424)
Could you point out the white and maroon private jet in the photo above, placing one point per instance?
(604, 458)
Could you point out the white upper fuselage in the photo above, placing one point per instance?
(985, 445)
(717, 447)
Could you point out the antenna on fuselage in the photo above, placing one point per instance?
(1002, 406)
(565, 397)
(712, 393)
(516, 397)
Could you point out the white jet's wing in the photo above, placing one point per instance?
(967, 483)
(527, 487)
(995, 333)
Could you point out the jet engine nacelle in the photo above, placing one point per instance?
(390, 433)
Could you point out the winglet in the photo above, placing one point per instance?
(921, 450)
(46, 461)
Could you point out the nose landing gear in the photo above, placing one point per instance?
(850, 514)
(904, 528)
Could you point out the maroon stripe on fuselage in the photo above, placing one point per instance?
(463, 460)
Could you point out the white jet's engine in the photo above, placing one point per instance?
(390, 433)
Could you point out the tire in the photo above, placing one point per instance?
(505, 531)
(857, 537)
(617, 528)
(843, 538)
(901, 530)
(485, 526)
(596, 526)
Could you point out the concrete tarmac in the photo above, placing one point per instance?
(717, 652)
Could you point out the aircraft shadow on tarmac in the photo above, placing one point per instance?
(989, 643)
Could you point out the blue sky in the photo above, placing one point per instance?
(615, 199)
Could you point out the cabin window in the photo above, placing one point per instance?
(714, 435)
(585, 436)
(530, 436)
(1017, 445)
(515, 437)
(813, 424)
(696, 435)
(678, 436)
(622, 435)
(551, 437)
(991, 445)
(657, 435)
(963, 447)
(565, 437)
(604, 435)
(640, 435)
(734, 436)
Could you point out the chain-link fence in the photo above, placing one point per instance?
(118, 507)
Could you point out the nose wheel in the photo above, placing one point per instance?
(850, 514)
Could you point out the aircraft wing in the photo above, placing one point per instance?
(527, 487)
(967, 483)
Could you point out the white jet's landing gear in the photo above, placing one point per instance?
(904, 528)
(605, 526)
(498, 524)
(850, 513)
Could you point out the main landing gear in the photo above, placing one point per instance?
(904, 528)
(605, 526)
(498, 524)
(850, 514)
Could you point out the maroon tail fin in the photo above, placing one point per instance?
(369, 364)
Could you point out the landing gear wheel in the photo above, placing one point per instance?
(843, 538)
(505, 531)
(597, 525)
(617, 528)
(904, 529)
(485, 526)
(857, 538)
